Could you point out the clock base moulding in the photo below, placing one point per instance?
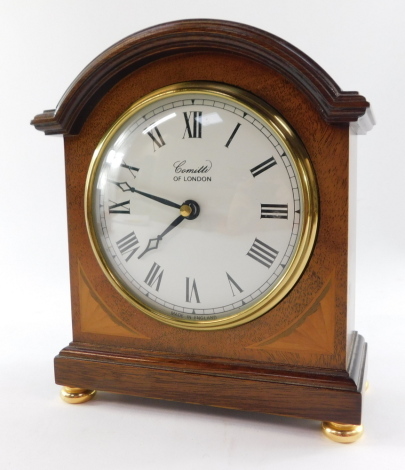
(323, 395)
(316, 368)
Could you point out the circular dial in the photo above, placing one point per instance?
(201, 206)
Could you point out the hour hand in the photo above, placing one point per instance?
(189, 210)
(154, 242)
(124, 186)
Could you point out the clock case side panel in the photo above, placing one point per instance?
(352, 223)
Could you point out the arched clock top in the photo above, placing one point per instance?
(195, 36)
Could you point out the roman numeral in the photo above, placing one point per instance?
(274, 211)
(154, 276)
(233, 284)
(128, 245)
(263, 166)
(156, 137)
(130, 168)
(191, 289)
(193, 124)
(262, 253)
(119, 208)
(232, 135)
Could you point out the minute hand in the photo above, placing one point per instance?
(126, 187)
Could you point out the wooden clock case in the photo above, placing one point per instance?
(303, 357)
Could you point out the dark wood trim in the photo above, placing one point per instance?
(195, 36)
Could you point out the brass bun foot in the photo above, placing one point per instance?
(344, 433)
(76, 395)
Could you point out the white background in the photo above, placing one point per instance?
(44, 44)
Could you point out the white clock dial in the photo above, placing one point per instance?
(198, 206)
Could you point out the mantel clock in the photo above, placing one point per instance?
(207, 170)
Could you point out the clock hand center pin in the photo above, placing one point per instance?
(190, 209)
(185, 210)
